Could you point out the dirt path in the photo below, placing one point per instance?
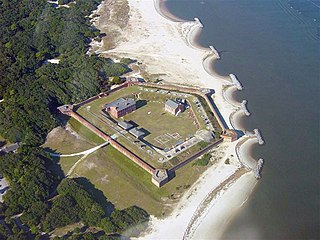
(86, 152)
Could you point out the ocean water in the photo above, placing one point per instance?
(273, 48)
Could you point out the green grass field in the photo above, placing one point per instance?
(64, 142)
(156, 122)
(67, 162)
(164, 129)
(126, 184)
(161, 124)
(121, 180)
(85, 132)
(2, 139)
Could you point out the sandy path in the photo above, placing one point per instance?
(86, 152)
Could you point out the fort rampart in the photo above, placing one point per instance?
(69, 110)
(114, 143)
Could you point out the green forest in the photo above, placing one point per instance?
(32, 88)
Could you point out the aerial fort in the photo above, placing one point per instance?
(160, 127)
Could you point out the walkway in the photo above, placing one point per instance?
(86, 152)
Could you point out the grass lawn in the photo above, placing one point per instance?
(84, 132)
(66, 162)
(97, 105)
(64, 230)
(3, 141)
(125, 184)
(159, 123)
(142, 153)
(64, 142)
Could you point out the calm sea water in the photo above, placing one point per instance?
(273, 48)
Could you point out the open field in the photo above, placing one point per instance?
(61, 231)
(66, 162)
(4, 141)
(85, 132)
(63, 141)
(126, 184)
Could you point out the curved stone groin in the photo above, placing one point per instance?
(215, 51)
(244, 107)
(197, 20)
(259, 136)
(258, 170)
(235, 81)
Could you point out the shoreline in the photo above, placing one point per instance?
(167, 47)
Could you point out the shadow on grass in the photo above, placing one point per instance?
(141, 103)
(98, 195)
(2, 143)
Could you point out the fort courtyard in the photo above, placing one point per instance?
(161, 128)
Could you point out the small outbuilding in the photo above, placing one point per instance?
(138, 133)
(173, 107)
(10, 148)
(125, 125)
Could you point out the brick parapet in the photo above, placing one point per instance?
(114, 143)
(196, 155)
(186, 90)
(103, 94)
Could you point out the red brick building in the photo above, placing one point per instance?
(173, 107)
(121, 107)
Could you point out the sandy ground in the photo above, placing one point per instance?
(167, 52)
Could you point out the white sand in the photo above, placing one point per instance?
(166, 48)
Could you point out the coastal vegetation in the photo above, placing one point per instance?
(203, 161)
(33, 32)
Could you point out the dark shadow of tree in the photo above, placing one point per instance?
(97, 194)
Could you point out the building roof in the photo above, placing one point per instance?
(172, 104)
(125, 125)
(121, 103)
(136, 132)
(10, 148)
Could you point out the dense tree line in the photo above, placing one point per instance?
(30, 178)
(32, 193)
(31, 33)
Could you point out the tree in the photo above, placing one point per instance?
(108, 226)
